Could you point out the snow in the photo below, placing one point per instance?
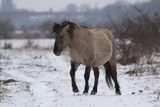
(43, 80)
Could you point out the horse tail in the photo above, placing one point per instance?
(108, 75)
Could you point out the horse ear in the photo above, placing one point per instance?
(71, 28)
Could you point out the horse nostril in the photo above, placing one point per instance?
(58, 53)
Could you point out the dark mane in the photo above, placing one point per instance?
(64, 23)
(58, 27)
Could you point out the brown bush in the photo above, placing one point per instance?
(137, 37)
(7, 45)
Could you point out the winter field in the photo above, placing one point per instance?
(37, 78)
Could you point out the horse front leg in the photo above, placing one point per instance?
(96, 76)
(72, 74)
(86, 77)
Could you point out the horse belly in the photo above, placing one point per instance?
(101, 60)
(76, 58)
(84, 59)
(104, 50)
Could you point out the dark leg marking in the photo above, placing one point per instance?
(96, 76)
(72, 74)
(86, 77)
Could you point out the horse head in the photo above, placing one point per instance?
(62, 33)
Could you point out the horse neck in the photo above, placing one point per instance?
(80, 37)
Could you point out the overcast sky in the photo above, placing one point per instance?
(56, 5)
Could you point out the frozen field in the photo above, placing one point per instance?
(42, 80)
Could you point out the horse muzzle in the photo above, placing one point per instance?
(57, 53)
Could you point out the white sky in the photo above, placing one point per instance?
(56, 5)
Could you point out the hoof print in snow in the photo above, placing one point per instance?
(133, 93)
(55, 69)
(37, 57)
(140, 91)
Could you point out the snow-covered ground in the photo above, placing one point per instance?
(43, 80)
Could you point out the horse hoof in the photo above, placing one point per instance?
(75, 90)
(76, 94)
(93, 93)
(85, 93)
(118, 93)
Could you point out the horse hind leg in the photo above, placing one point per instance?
(114, 77)
(96, 76)
(86, 77)
(111, 70)
(72, 74)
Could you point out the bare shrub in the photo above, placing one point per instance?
(30, 44)
(157, 92)
(137, 36)
(141, 68)
(7, 45)
(148, 64)
(155, 70)
(3, 92)
(138, 70)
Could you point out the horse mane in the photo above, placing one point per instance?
(65, 23)
(58, 27)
